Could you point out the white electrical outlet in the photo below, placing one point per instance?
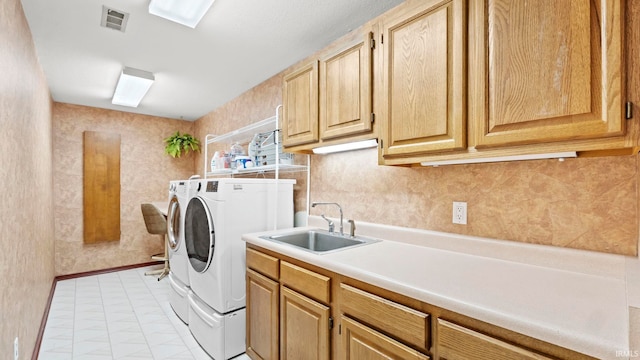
(16, 354)
(459, 212)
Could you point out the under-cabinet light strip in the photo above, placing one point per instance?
(365, 144)
(560, 155)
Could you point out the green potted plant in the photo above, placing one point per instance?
(176, 143)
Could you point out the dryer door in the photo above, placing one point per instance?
(173, 223)
(199, 234)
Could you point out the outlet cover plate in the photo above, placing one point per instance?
(459, 212)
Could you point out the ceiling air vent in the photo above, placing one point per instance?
(114, 19)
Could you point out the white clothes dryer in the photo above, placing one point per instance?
(178, 199)
(179, 196)
(216, 217)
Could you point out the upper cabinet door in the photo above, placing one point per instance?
(543, 71)
(300, 98)
(424, 78)
(345, 89)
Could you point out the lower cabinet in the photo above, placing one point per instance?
(288, 312)
(292, 307)
(360, 342)
(304, 327)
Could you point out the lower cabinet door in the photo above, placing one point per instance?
(262, 317)
(304, 327)
(360, 342)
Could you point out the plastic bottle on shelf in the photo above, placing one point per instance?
(214, 161)
(220, 161)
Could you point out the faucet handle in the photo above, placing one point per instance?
(331, 226)
(352, 228)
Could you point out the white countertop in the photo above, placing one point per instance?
(586, 311)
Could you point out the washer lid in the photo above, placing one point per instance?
(199, 234)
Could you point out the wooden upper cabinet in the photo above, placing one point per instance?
(423, 106)
(346, 90)
(545, 71)
(300, 98)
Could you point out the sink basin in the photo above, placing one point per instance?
(319, 241)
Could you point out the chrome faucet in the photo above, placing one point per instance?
(330, 222)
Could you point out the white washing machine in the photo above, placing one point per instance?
(216, 217)
(179, 196)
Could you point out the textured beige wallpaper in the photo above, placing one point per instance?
(26, 214)
(145, 172)
(256, 104)
(588, 203)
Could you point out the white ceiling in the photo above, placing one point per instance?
(237, 45)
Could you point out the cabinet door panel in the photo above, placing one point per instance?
(262, 317)
(346, 91)
(362, 343)
(545, 71)
(304, 327)
(424, 79)
(300, 99)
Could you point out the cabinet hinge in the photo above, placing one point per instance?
(373, 44)
(330, 323)
(628, 111)
(340, 329)
(373, 118)
(381, 145)
(381, 39)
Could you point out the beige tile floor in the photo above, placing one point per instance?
(122, 315)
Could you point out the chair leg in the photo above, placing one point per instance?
(166, 269)
(154, 272)
(161, 257)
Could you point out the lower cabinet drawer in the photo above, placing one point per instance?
(401, 322)
(307, 282)
(361, 342)
(457, 342)
(263, 263)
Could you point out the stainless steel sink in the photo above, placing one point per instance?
(319, 241)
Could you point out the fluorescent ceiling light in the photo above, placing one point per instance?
(560, 156)
(185, 12)
(132, 87)
(346, 147)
